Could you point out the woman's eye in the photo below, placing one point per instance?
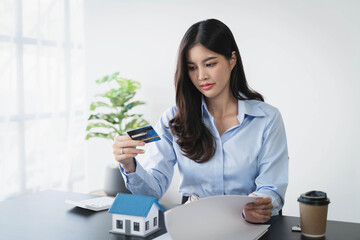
(191, 68)
(210, 64)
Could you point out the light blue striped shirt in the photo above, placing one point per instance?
(251, 157)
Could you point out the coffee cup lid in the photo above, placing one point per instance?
(314, 198)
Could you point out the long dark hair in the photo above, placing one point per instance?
(193, 137)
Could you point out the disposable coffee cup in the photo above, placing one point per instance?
(313, 213)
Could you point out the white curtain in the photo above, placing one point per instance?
(42, 96)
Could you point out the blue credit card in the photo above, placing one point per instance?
(146, 134)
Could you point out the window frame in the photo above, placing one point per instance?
(19, 41)
(136, 226)
(119, 224)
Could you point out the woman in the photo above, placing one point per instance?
(221, 134)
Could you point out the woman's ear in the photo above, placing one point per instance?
(233, 60)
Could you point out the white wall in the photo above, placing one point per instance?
(303, 56)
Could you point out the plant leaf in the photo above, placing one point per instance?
(142, 123)
(128, 84)
(100, 124)
(135, 123)
(115, 75)
(130, 125)
(109, 117)
(94, 116)
(133, 104)
(120, 101)
(95, 105)
(101, 135)
(135, 115)
(102, 80)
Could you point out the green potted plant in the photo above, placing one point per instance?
(110, 116)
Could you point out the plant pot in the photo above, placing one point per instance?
(114, 182)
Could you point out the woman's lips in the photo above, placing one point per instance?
(207, 86)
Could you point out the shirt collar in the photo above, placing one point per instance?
(250, 107)
(245, 107)
(204, 106)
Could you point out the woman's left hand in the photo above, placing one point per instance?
(259, 211)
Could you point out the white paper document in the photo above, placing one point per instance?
(218, 217)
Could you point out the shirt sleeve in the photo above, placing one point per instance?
(272, 178)
(153, 175)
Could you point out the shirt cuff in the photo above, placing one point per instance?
(276, 200)
(134, 178)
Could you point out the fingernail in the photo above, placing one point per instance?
(142, 151)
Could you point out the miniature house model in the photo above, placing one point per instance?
(135, 214)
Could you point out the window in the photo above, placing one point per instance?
(119, 224)
(147, 225)
(155, 221)
(136, 226)
(42, 95)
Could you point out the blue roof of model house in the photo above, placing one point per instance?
(134, 205)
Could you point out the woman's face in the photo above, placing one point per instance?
(209, 71)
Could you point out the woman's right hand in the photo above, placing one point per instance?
(124, 150)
